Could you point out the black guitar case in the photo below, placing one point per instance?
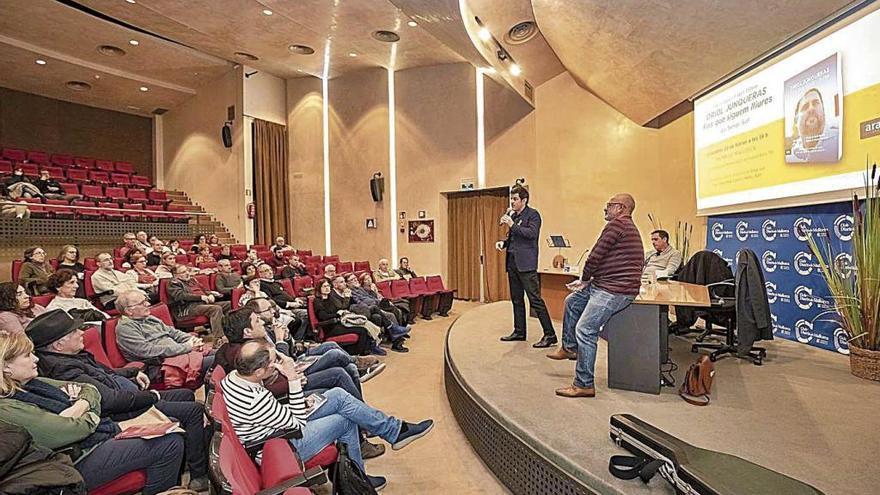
(692, 470)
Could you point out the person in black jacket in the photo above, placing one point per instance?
(49, 186)
(329, 308)
(124, 393)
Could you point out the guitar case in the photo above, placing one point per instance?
(689, 469)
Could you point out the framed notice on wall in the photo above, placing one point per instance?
(421, 231)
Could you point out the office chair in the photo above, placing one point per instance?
(703, 268)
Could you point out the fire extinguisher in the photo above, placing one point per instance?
(251, 211)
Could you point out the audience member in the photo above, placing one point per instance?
(19, 186)
(49, 187)
(16, 308)
(65, 284)
(405, 271)
(384, 272)
(275, 290)
(174, 247)
(66, 415)
(330, 272)
(295, 268)
(255, 413)
(143, 337)
(204, 256)
(130, 241)
(248, 270)
(225, 253)
(157, 249)
(226, 280)
(123, 393)
(253, 257)
(663, 259)
(142, 242)
(200, 243)
(109, 283)
(278, 259)
(166, 268)
(147, 280)
(395, 333)
(280, 245)
(187, 297)
(68, 258)
(214, 241)
(442, 303)
(400, 307)
(251, 291)
(35, 271)
(610, 281)
(329, 310)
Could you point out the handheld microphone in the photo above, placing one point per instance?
(509, 213)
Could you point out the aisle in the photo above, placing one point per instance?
(412, 388)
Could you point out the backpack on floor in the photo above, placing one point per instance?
(348, 479)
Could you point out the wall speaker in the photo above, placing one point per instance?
(377, 186)
(226, 134)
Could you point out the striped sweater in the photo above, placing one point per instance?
(255, 413)
(615, 262)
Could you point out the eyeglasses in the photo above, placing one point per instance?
(609, 205)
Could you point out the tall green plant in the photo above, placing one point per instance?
(856, 293)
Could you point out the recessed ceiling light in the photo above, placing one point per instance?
(301, 49)
(352, 54)
(484, 34)
(515, 69)
(412, 24)
(132, 107)
(144, 89)
(97, 76)
(78, 85)
(386, 36)
(134, 42)
(40, 61)
(131, 1)
(246, 56)
(267, 12)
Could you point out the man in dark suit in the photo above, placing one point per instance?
(522, 265)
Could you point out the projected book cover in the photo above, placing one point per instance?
(813, 114)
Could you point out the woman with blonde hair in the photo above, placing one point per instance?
(66, 415)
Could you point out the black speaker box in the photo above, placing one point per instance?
(377, 188)
(226, 135)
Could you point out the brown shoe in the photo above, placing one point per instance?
(573, 392)
(562, 354)
(363, 362)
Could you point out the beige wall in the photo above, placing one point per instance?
(265, 96)
(196, 160)
(305, 134)
(587, 152)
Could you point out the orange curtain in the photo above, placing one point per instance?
(464, 246)
(495, 275)
(271, 182)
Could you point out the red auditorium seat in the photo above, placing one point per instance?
(344, 267)
(90, 264)
(158, 213)
(91, 295)
(43, 300)
(138, 195)
(140, 180)
(189, 322)
(38, 157)
(114, 193)
(16, 267)
(343, 339)
(312, 260)
(102, 177)
(430, 299)
(107, 209)
(158, 196)
(385, 289)
(82, 162)
(303, 253)
(63, 209)
(14, 154)
(132, 216)
(125, 167)
(105, 165)
(62, 160)
(182, 259)
(55, 172)
(35, 205)
(235, 297)
(88, 212)
(70, 188)
(93, 192)
(79, 175)
(121, 179)
(176, 214)
(288, 287)
(330, 259)
(361, 266)
(208, 265)
(236, 266)
(6, 167)
(132, 482)
(30, 169)
(54, 263)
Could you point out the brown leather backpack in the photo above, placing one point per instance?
(698, 382)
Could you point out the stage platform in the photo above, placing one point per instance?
(802, 413)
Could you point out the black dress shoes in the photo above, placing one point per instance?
(514, 337)
(545, 342)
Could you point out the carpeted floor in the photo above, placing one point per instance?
(801, 413)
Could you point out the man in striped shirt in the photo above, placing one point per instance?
(255, 413)
(610, 281)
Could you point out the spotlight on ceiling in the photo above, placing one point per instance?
(386, 36)
(484, 34)
(267, 12)
(412, 24)
(352, 54)
(131, 1)
(40, 61)
(515, 69)
(134, 42)
(144, 89)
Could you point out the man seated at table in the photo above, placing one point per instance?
(663, 259)
(58, 342)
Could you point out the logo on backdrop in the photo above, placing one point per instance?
(718, 232)
(770, 262)
(720, 253)
(743, 232)
(773, 295)
(804, 264)
(779, 328)
(770, 232)
(843, 227)
(804, 298)
(803, 227)
(843, 263)
(841, 343)
(803, 331)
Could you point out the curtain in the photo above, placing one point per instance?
(464, 246)
(271, 182)
(494, 271)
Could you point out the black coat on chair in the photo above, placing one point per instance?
(753, 321)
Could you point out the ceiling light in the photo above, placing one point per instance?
(131, 1)
(301, 49)
(97, 76)
(386, 36)
(412, 24)
(133, 42)
(246, 56)
(78, 85)
(132, 107)
(40, 61)
(515, 69)
(484, 34)
(352, 54)
(144, 89)
(267, 12)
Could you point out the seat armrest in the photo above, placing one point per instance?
(255, 446)
(312, 477)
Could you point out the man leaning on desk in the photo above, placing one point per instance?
(610, 281)
(664, 259)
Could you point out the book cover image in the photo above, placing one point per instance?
(814, 113)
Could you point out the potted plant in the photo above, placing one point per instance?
(856, 292)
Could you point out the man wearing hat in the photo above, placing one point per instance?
(58, 342)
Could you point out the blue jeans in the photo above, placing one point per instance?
(321, 381)
(332, 356)
(338, 419)
(586, 311)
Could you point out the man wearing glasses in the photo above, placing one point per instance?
(610, 281)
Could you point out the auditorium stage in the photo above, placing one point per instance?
(796, 414)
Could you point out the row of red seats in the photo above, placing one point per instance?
(78, 175)
(91, 210)
(116, 194)
(63, 160)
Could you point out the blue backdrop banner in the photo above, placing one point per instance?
(800, 304)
